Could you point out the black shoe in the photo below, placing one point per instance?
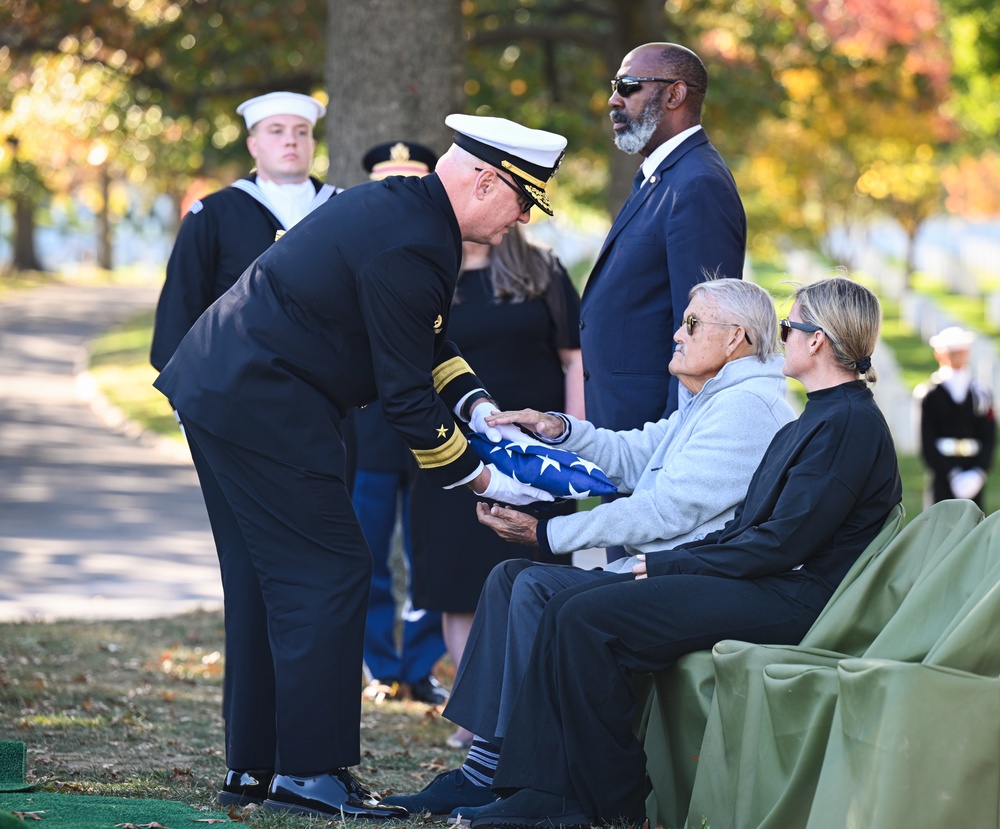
(429, 690)
(446, 792)
(530, 807)
(243, 787)
(463, 815)
(328, 795)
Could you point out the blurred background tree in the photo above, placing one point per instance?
(830, 112)
(394, 70)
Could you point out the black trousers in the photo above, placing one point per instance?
(498, 650)
(570, 733)
(295, 573)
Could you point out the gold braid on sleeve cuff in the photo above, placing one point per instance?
(449, 452)
(448, 370)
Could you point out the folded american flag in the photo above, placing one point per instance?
(562, 473)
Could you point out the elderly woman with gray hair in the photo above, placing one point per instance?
(685, 474)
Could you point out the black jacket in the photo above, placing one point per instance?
(350, 305)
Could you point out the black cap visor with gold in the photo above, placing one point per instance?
(530, 179)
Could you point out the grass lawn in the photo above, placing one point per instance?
(133, 709)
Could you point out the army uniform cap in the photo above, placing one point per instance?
(952, 338)
(281, 103)
(531, 157)
(398, 158)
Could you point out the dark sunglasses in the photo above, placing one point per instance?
(627, 84)
(522, 200)
(690, 321)
(786, 326)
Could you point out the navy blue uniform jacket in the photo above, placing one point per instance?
(687, 218)
(218, 239)
(350, 305)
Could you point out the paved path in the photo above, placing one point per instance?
(93, 524)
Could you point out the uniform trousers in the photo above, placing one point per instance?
(500, 641)
(378, 496)
(295, 574)
(570, 732)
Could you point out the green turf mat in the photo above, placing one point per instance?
(12, 766)
(78, 811)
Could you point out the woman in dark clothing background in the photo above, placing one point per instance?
(515, 317)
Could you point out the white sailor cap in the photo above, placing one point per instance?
(281, 103)
(530, 156)
(952, 338)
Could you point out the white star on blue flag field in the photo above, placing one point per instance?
(560, 472)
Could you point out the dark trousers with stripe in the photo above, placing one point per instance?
(295, 576)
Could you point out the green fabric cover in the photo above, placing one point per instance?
(774, 707)
(919, 744)
(678, 701)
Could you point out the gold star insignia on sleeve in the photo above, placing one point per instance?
(441, 431)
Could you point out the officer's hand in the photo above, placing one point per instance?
(544, 425)
(509, 524)
(504, 488)
(478, 421)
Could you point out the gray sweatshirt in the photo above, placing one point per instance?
(686, 473)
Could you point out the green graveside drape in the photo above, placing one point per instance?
(775, 707)
(679, 698)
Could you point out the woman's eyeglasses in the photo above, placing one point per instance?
(690, 321)
(786, 326)
(627, 84)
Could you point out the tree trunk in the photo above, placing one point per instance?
(636, 23)
(104, 221)
(25, 254)
(394, 70)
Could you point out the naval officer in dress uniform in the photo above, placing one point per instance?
(224, 232)
(349, 306)
(957, 424)
(218, 239)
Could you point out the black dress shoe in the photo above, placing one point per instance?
(243, 787)
(444, 793)
(530, 807)
(332, 794)
(429, 690)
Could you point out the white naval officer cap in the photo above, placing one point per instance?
(952, 338)
(281, 103)
(530, 156)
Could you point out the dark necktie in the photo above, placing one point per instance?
(637, 182)
(636, 187)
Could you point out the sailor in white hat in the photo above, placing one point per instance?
(224, 232)
(281, 142)
(350, 306)
(957, 424)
